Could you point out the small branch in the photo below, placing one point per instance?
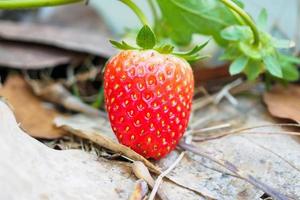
(160, 177)
(137, 11)
(140, 190)
(240, 130)
(232, 168)
(142, 172)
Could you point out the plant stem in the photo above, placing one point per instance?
(21, 4)
(154, 11)
(136, 10)
(231, 5)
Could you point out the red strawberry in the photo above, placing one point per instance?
(148, 99)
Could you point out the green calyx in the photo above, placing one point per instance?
(146, 40)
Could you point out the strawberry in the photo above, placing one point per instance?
(148, 94)
(148, 99)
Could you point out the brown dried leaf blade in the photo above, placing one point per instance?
(32, 56)
(284, 102)
(34, 118)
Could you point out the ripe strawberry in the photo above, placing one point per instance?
(148, 98)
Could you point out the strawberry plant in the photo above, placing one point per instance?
(149, 87)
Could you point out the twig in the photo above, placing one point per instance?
(241, 87)
(57, 93)
(240, 130)
(163, 174)
(142, 172)
(212, 128)
(140, 190)
(274, 153)
(241, 174)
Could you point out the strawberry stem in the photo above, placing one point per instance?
(231, 5)
(20, 4)
(136, 10)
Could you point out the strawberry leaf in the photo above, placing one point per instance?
(262, 19)
(273, 66)
(235, 33)
(238, 65)
(184, 18)
(146, 38)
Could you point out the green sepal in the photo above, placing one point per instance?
(122, 45)
(193, 55)
(146, 38)
(165, 49)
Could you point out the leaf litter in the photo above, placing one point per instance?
(26, 163)
(265, 171)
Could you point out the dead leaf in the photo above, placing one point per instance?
(63, 37)
(83, 18)
(30, 112)
(284, 102)
(30, 170)
(32, 56)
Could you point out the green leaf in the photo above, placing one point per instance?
(238, 65)
(230, 53)
(185, 18)
(283, 44)
(146, 38)
(236, 33)
(165, 49)
(252, 70)
(262, 19)
(290, 59)
(290, 73)
(273, 66)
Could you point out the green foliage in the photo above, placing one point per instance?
(184, 18)
(146, 38)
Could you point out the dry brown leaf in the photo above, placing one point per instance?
(284, 102)
(30, 170)
(67, 38)
(30, 112)
(32, 56)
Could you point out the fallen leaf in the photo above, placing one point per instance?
(284, 102)
(30, 112)
(30, 170)
(83, 18)
(67, 38)
(33, 56)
